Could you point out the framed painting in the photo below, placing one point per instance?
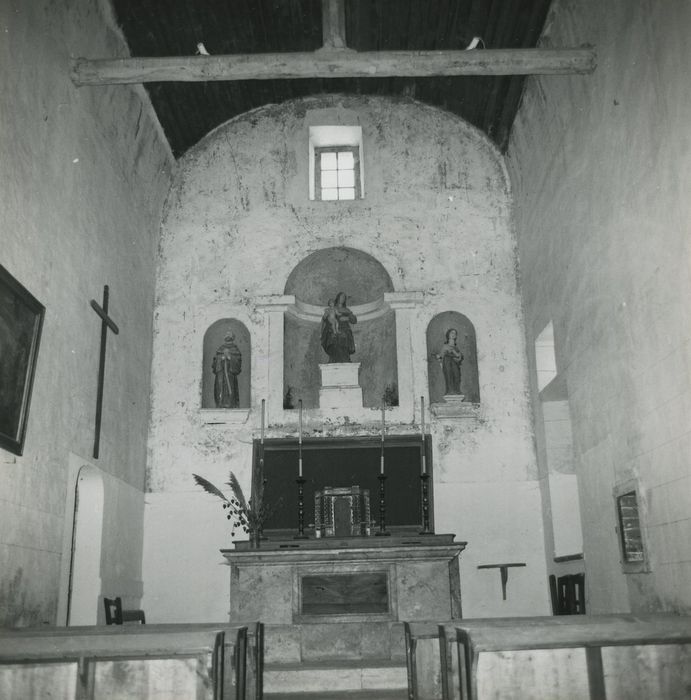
(21, 320)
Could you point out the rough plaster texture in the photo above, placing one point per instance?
(84, 173)
(601, 170)
(437, 216)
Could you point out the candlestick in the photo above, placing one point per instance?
(301, 509)
(382, 509)
(262, 433)
(300, 465)
(424, 478)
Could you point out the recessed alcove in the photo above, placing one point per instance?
(313, 283)
(215, 339)
(439, 330)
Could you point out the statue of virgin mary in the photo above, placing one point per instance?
(336, 334)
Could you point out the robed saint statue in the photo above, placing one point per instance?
(450, 359)
(226, 366)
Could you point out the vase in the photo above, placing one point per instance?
(255, 538)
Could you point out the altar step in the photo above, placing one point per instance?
(347, 678)
(342, 695)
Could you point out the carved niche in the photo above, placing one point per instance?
(452, 358)
(321, 278)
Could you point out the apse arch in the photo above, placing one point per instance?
(322, 274)
(441, 375)
(315, 282)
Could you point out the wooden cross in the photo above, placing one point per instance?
(106, 323)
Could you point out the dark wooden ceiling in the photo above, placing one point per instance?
(188, 111)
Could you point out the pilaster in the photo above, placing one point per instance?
(270, 366)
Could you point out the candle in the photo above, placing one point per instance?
(383, 430)
(422, 433)
(262, 433)
(422, 416)
(300, 439)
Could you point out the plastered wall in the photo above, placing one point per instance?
(601, 170)
(84, 173)
(437, 216)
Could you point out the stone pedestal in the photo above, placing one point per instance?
(453, 406)
(340, 385)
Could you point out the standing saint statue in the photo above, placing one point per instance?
(450, 358)
(226, 365)
(336, 334)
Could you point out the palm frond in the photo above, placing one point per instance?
(258, 485)
(209, 487)
(237, 491)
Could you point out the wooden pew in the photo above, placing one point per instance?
(77, 653)
(589, 656)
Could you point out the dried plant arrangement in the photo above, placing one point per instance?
(245, 515)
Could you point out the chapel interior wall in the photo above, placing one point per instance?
(84, 172)
(437, 217)
(600, 165)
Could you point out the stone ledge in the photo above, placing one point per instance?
(223, 416)
(455, 409)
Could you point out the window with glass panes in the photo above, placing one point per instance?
(337, 172)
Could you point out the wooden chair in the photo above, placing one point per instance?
(568, 594)
(115, 615)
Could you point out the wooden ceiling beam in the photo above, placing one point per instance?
(343, 63)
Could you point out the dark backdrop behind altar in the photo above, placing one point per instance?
(436, 219)
(342, 464)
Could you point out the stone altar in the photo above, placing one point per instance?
(354, 579)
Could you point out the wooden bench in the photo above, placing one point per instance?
(632, 656)
(77, 652)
